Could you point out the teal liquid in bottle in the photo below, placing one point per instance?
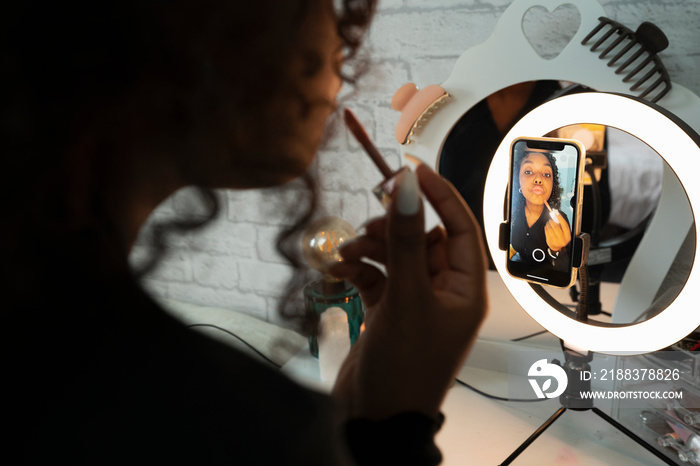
(322, 294)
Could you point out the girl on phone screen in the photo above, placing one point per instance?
(540, 232)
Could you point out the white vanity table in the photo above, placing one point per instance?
(482, 431)
(477, 430)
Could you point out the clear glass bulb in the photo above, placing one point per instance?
(321, 247)
(322, 240)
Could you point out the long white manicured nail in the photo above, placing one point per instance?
(553, 214)
(408, 196)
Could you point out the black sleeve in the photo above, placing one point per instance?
(406, 439)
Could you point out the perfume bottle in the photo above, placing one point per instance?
(320, 245)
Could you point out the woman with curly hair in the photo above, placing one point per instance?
(108, 108)
(540, 232)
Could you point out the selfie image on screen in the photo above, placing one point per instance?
(543, 185)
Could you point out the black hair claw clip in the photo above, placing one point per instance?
(638, 48)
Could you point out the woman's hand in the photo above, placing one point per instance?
(558, 235)
(423, 316)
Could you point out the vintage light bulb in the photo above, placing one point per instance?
(322, 240)
(321, 248)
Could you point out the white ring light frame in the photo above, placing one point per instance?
(678, 147)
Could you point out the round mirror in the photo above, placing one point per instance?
(477, 78)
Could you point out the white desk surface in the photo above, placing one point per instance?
(482, 431)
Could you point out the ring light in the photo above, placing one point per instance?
(676, 143)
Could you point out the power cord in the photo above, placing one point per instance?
(530, 336)
(256, 351)
(498, 398)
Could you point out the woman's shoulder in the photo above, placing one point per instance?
(126, 377)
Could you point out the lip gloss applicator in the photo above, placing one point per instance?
(383, 190)
(552, 213)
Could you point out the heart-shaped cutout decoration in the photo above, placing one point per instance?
(549, 32)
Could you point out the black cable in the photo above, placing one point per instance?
(499, 398)
(530, 336)
(256, 351)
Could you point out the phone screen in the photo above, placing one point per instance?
(544, 209)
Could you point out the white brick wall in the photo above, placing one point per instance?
(233, 265)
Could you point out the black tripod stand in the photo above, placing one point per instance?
(575, 365)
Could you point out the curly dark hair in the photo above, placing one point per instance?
(162, 76)
(519, 201)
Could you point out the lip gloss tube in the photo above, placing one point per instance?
(384, 189)
(552, 213)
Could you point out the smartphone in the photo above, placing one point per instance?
(545, 194)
